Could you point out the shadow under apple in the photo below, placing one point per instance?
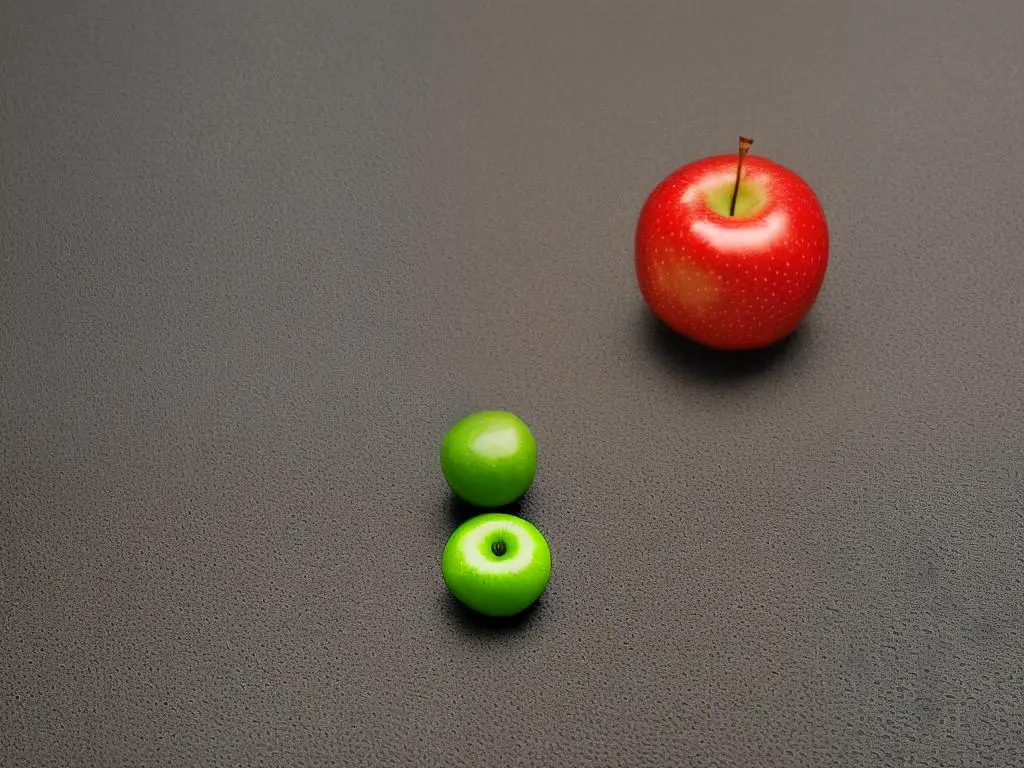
(460, 511)
(687, 357)
(477, 624)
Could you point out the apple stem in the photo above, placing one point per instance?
(498, 548)
(745, 145)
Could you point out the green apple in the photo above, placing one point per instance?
(496, 564)
(489, 458)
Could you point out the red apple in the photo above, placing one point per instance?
(739, 281)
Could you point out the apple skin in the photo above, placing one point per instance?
(731, 282)
(489, 458)
(496, 583)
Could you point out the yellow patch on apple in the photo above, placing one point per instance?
(690, 286)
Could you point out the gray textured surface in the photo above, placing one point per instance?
(256, 256)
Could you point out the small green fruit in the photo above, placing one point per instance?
(489, 458)
(496, 564)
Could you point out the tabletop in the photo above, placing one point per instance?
(257, 256)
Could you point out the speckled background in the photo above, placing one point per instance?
(257, 255)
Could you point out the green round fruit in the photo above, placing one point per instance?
(489, 458)
(496, 564)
